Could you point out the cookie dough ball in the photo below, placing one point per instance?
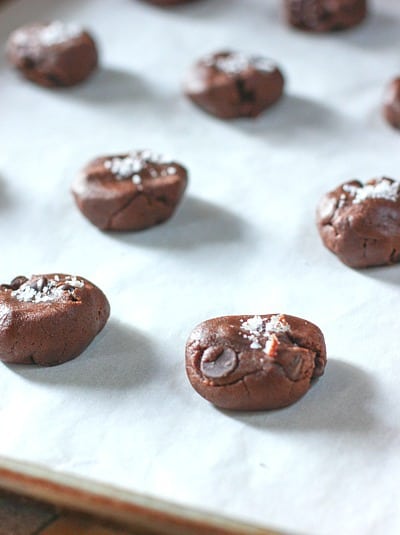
(254, 362)
(360, 223)
(53, 54)
(325, 15)
(231, 84)
(49, 319)
(391, 107)
(132, 191)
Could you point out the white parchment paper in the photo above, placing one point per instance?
(243, 241)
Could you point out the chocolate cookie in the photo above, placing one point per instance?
(391, 106)
(231, 84)
(325, 15)
(131, 191)
(53, 54)
(360, 223)
(49, 319)
(254, 362)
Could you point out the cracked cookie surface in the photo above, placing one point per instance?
(129, 192)
(231, 84)
(254, 362)
(49, 319)
(360, 223)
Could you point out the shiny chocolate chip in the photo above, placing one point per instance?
(67, 288)
(39, 284)
(17, 282)
(218, 362)
(294, 370)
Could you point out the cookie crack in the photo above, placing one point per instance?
(121, 209)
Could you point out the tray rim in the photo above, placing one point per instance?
(117, 504)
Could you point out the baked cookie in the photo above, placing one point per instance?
(131, 191)
(325, 15)
(254, 362)
(231, 84)
(49, 319)
(391, 106)
(360, 223)
(53, 54)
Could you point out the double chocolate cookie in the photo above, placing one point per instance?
(325, 15)
(360, 223)
(391, 105)
(131, 191)
(254, 362)
(49, 319)
(231, 84)
(54, 54)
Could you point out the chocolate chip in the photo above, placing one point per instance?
(218, 362)
(17, 282)
(67, 287)
(294, 370)
(39, 284)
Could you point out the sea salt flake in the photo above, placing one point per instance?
(277, 324)
(58, 32)
(21, 38)
(134, 163)
(232, 64)
(256, 328)
(28, 294)
(237, 62)
(262, 64)
(384, 189)
(75, 282)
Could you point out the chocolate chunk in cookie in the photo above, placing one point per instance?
(391, 105)
(131, 191)
(54, 54)
(325, 15)
(231, 84)
(360, 223)
(254, 362)
(49, 319)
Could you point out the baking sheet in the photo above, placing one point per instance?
(243, 242)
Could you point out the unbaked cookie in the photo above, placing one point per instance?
(131, 191)
(54, 54)
(360, 223)
(49, 319)
(231, 84)
(254, 362)
(325, 15)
